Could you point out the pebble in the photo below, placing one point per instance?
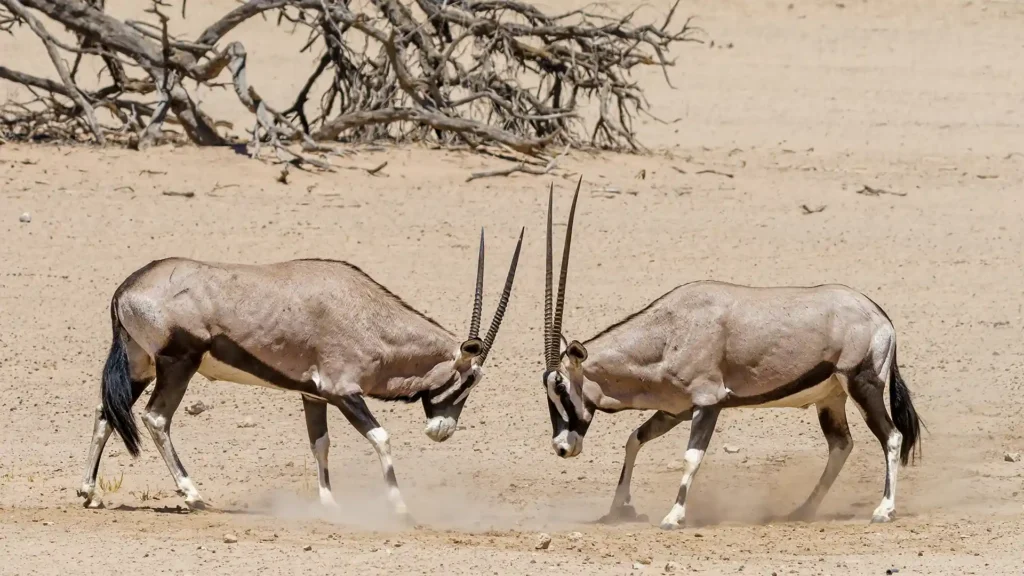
(47, 523)
(543, 541)
(1012, 456)
(248, 422)
(230, 538)
(730, 449)
(25, 218)
(197, 408)
(671, 566)
(645, 560)
(638, 566)
(307, 548)
(575, 536)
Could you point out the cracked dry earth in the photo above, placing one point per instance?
(797, 104)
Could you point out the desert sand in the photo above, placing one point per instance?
(797, 104)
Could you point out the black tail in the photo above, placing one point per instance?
(903, 414)
(117, 389)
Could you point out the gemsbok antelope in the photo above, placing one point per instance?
(709, 345)
(321, 328)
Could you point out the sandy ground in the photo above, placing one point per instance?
(802, 103)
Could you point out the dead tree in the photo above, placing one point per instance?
(474, 73)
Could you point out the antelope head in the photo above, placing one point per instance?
(571, 412)
(443, 407)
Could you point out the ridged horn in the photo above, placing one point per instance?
(478, 299)
(492, 332)
(550, 344)
(556, 324)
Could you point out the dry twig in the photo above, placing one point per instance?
(188, 194)
(869, 191)
(520, 167)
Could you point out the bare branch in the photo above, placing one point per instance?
(479, 73)
(73, 92)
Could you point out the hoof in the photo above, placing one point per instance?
(197, 505)
(800, 515)
(880, 519)
(669, 526)
(622, 514)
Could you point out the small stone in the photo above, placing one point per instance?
(638, 566)
(247, 422)
(645, 560)
(543, 541)
(25, 218)
(1012, 456)
(575, 536)
(197, 408)
(230, 538)
(730, 449)
(307, 548)
(892, 571)
(671, 566)
(47, 523)
(674, 465)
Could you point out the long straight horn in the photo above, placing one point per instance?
(550, 343)
(503, 302)
(478, 300)
(556, 325)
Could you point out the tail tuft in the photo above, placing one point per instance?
(904, 416)
(117, 390)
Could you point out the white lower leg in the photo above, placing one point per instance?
(320, 449)
(100, 434)
(382, 444)
(691, 463)
(885, 510)
(157, 426)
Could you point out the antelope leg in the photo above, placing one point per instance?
(172, 376)
(703, 426)
(657, 425)
(358, 414)
(320, 444)
(866, 389)
(101, 431)
(832, 418)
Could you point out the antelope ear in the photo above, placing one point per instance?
(576, 351)
(472, 347)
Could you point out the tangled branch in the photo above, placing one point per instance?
(455, 72)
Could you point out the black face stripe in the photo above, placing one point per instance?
(574, 422)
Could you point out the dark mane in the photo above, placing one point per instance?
(612, 328)
(382, 287)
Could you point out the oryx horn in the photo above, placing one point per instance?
(492, 332)
(553, 326)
